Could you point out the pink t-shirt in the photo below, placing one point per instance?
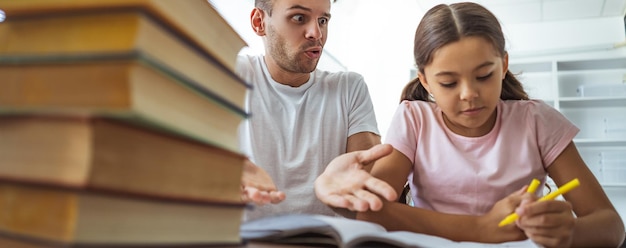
(467, 175)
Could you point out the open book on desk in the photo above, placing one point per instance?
(325, 231)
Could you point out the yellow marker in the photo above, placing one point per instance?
(562, 190)
(533, 186)
(512, 217)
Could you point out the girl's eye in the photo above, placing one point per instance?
(448, 85)
(484, 78)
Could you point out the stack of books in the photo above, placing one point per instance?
(118, 124)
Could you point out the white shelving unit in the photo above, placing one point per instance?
(590, 90)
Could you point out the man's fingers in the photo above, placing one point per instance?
(251, 194)
(336, 201)
(372, 201)
(381, 188)
(348, 201)
(374, 153)
(277, 196)
(260, 186)
(356, 203)
(261, 197)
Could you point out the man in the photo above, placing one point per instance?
(301, 118)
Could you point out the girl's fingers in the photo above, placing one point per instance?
(545, 241)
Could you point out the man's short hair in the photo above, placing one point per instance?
(267, 5)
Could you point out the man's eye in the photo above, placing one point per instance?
(298, 18)
(323, 21)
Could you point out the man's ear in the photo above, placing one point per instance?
(256, 20)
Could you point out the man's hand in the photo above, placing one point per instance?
(344, 183)
(258, 187)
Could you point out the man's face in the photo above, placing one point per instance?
(296, 33)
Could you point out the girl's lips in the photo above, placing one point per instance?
(472, 111)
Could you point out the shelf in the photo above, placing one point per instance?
(592, 71)
(591, 93)
(613, 185)
(595, 64)
(592, 102)
(599, 142)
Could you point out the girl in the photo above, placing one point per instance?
(469, 140)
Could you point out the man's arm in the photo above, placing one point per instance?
(357, 142)
(362, 141)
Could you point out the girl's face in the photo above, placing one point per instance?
(465, 79)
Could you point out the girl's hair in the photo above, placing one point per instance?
(444, 24)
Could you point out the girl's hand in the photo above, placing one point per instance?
(258, 187)
(344, 183)
(548, 223)
(489, 223)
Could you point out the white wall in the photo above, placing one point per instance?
(377, 43)
(376, 40)
(237, 14)
(572, 36)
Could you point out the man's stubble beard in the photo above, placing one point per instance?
(286, 61)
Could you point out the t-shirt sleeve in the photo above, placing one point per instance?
(242, 66)
(554, 132)
(402, 133)
(362, 117)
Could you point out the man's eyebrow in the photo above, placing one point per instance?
(300, 7)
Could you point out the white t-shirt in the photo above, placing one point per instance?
(468, 175)
(294, 132)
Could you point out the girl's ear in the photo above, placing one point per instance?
(505, 64)
(423, 81)
(257, 17)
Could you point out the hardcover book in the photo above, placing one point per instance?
(116, 156)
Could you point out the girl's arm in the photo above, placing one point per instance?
(551, 222)
(394, 170)
(395, 216)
